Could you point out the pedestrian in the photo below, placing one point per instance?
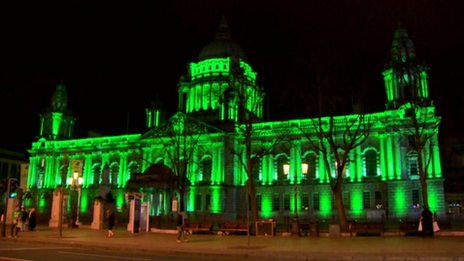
(15, 223)
(181, 219)
(32, 219)
(427, 222)
(24, 215)
(110, 222)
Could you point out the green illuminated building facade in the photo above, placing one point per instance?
(381, 178)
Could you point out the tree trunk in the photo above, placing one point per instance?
(251, 188)
(340, 207)
(423, 179)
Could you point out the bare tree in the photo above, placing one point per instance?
(424, 129)
(180, 139)
(247, 99)
(335, 137)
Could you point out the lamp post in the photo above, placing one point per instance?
(304, 169)
(75, 183)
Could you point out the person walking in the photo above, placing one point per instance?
(427, 222)
(24, 215)
(109, 214)
(110, 222)
(181, 217)
(32, 219)
(15, 223)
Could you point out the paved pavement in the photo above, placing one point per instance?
(444, 246)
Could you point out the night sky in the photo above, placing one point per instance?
(115, 57)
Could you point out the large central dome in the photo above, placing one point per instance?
(223, 46)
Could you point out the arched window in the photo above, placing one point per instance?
(281, 160)
(133, 167)
(96, 172)
(370, 157)
(256, 167)
(114, 173)
(206, 169)
(310, 159)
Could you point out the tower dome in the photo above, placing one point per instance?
(223, 46)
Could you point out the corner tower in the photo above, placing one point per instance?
(57, 123)
(221, 84)
(405, 79)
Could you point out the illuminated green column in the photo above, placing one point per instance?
(383, 167)
(84, 204)
(119, 200)
(436, 160)
(295, 163)
(32, 174)
(238, 169)
(268, 170)
(356, 197)
(218, 170)
(57, 172)
(352, 166)
(87, 173)
(359, 164)
(216, 199)
(195, 166)
(265, 170)
(390, 158)
(399, 198)
(206, 96)
(198, 95)
(49, 178)
(56, 117)
(397, 158)
(266, 204)
(123, 171)
(191, 99)
(322, 168)
(424, 84)
(191, 199)
(388, 80)
(326, 203)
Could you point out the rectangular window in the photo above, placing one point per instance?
(286, 202)
(415, 198)
(276, 202)
(413, 171)
(366, 200)
(316, 201)
(305, 202)
(346, 200)
(259, 199)
(378, 199)
(198, 206)
(207, 202)
(411, 141)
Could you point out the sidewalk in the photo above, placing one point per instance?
(442, 247)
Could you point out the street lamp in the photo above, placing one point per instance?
(75, 183)
(304, 169)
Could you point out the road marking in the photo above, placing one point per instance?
(104, 256)
(5, 258)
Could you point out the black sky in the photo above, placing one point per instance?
(117, 56)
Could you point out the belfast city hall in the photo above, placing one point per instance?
(201, 158)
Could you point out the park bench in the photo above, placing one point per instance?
(199, 228)
(366, 228)
(230, 227)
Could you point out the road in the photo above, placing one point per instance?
(24, 251)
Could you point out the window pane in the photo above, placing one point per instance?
(366, 200)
